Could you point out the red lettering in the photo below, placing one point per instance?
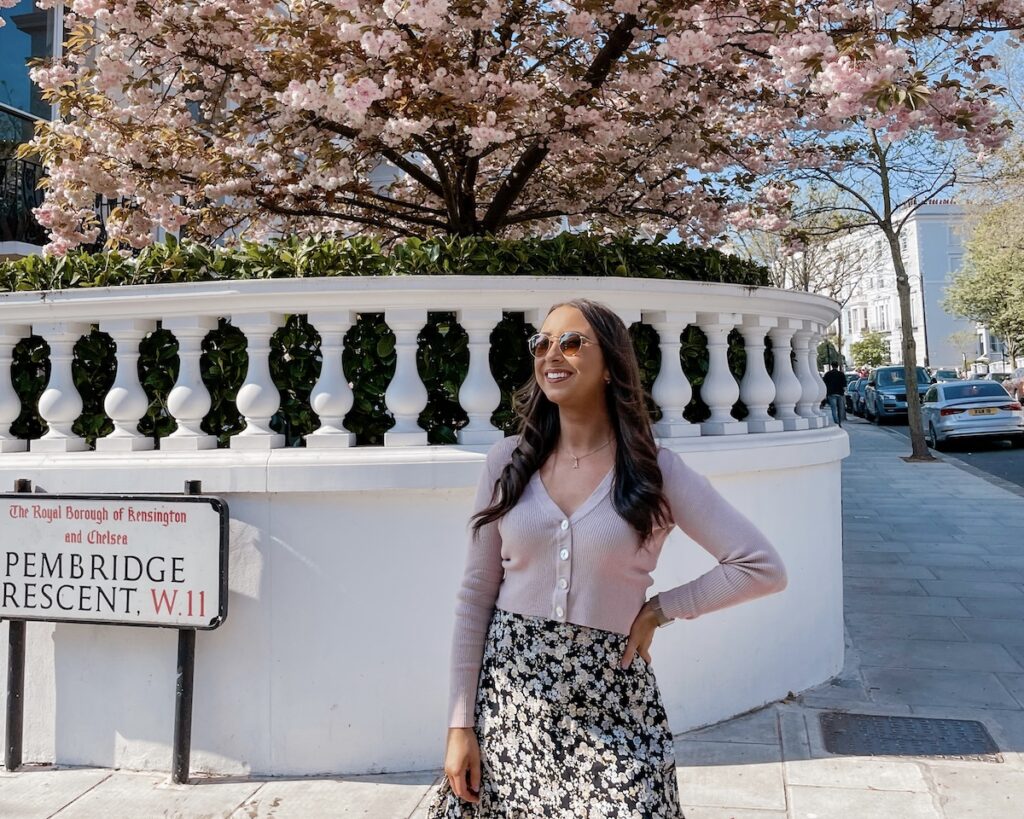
(163, 601)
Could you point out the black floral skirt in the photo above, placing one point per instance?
(564, 731)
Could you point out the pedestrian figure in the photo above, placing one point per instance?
(554, 709)
(835, 386)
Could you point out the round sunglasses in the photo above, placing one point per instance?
(569, 343)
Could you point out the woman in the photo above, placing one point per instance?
(554, 708)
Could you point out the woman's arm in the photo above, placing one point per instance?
(748, 565)
(481, 578)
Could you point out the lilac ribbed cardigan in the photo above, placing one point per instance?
(587, 569)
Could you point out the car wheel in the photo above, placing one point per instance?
(933, 439)
(877, 416)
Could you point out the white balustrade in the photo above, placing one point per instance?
(792, 320)
(189, 400)
(787, 386)
(805, 406)
(479, 394)
(671, 389)
(10, 404)
(60, 404)
(258, 398)
(126, 401)
(719, 389)
(332, 397)
(757, 390)
(825, 414)
(406, 397)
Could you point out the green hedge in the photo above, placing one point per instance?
(369, 358)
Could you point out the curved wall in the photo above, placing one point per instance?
(344, 569)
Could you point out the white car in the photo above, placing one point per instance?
(971, 409)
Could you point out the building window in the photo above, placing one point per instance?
(28, 34)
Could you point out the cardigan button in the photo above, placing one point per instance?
(565, 524)
(564, 554)
(562, 582)
(559, 611)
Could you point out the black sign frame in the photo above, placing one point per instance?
(219, 505)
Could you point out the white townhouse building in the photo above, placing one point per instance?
(932, 253)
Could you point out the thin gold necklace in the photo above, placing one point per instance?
(576, 459)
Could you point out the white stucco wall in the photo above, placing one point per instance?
(344, 570)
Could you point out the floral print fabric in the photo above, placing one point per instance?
(564, 731)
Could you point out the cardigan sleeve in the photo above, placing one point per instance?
(481, 578)
(748, 565)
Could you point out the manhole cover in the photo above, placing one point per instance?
(872, 735)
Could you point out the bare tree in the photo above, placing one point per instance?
(880, 185)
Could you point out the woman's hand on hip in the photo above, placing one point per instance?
(641, 634)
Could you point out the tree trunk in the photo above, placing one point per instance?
(918, 446)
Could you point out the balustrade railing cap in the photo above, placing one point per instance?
(377, 293)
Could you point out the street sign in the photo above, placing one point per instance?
(144, 560)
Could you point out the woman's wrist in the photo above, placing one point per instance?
(660, 618)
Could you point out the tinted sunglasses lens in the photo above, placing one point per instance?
(570, 343)
(538, 345)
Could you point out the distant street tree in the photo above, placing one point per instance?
(872, 351)
(966, 342)
(989, 289)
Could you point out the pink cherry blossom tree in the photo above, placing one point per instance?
(413, 117)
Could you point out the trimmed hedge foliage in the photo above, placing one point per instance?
(369, 358)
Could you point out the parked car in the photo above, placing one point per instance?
(941, 374)
(856, 393)
(851, 391)
(997, 377)
(971, 409)
(1015, 384)
(885, 395)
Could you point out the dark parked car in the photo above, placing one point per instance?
(855, 396)
(886, 393)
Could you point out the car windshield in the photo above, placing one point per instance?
(945, 373)
(955, 392)
(894, 377)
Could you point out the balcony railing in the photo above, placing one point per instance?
(794, 323)
(20, 193)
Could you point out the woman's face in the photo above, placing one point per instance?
(585, 383)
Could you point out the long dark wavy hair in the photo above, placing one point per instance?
(637, 494)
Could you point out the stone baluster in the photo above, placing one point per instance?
(757, 390)
(189, 400)
(60, 404)
(824, 414)
(479, 394)
(671, 389)
(332, 397)
(258, 398)
(126, 402)
(720, 389)
(10, 403)
(787, 385)
(406, 397)
(805, 406)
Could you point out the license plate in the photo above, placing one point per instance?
(983, 411)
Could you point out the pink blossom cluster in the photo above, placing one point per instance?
(410, 117)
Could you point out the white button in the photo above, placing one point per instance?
(564, 554)
(559, 611)
(563, 582)
(565, 524)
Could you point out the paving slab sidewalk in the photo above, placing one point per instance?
(934, 599)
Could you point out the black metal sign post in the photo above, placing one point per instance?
(182, 750)
(15, 677)
(182, 742)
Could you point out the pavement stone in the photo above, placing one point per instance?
(934, 628)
